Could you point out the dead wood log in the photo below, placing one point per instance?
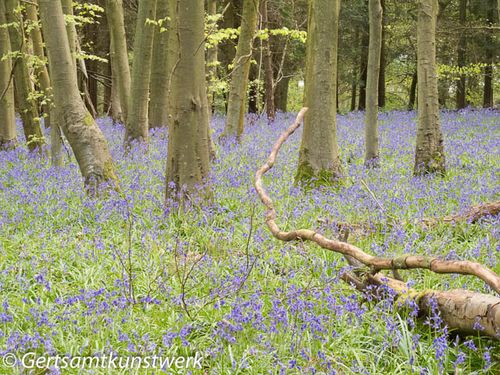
(476, 302)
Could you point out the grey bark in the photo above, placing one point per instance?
(429, 154)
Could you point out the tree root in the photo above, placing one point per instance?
(467, 307)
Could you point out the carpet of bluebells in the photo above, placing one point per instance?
(126, 274)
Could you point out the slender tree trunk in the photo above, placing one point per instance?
(319, 154)
(363, 69)
(115, 102)
(429, 154)
(84, 136)
(8, 134)
(281, 94)
(381, 79)
(253, 90)
(461, 58)
(490, 57)
(212, 61)
(413, 92)
(188, 146)
(158, 114)
(28, 108)
(268, 66)
(67, 6)
(137, 118)
(239, 78)
(119, 52)
(372, 84)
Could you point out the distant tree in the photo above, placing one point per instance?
(188, 160)
(84, 136)
(158, 113)
(24, 90)
(268, 64)
(461, 97)
(319, 154)
(490, 50)
(8, 133)
(119, 52)
(239, 75)
(429, 154)
(372, 84)
(137, 126)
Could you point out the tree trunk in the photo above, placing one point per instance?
(372, 84)
(119, 52)
(28, 108)
(490, 57)
(413, 92)
(253, 90)
(239, 77)
(212, 61)
(281, 94)
(461, 56)
(381, 79)
(188, 146)
(115, 102)
(268, 66)
(158, 114)
(319, 154)
(8, 134)
(84, 136)
(429, 154)
(363, 72)
(67, 6)
(137, 118)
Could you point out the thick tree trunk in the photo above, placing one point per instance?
(413, 92)
(158, 114)
(268, 66)
(239, 77)
(461, 101)
(188, 146)
(28, 108)
(372, 86)
(8, 134)
(319, 154)
(137, 128)
(381, 79)
(119, 52)
(429, 154)
(84, 136)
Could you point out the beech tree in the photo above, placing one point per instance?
(319, 153)
(83, 134)
(239, 76)
(372, 83)
(188, 143)
(429, 154)
(119, 52)
(8, 133)
(28, 108)
(137, 126)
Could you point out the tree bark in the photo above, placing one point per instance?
(137, 126)
(119, 52)
(212, 61)
(429, 154)
(188, 146)
(372, 84)
(239, 76)
(363, 68)
(84, 136)
(268, 66)
(28, 108)
(381, 79)
(490, 57)
(67, 6)
(281, 94)
(461, 101)
(158, 114)
(319, 154)
(8, 132)
(413, 92)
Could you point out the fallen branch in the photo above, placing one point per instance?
(354, 253)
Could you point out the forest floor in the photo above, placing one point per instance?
(126, 275)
